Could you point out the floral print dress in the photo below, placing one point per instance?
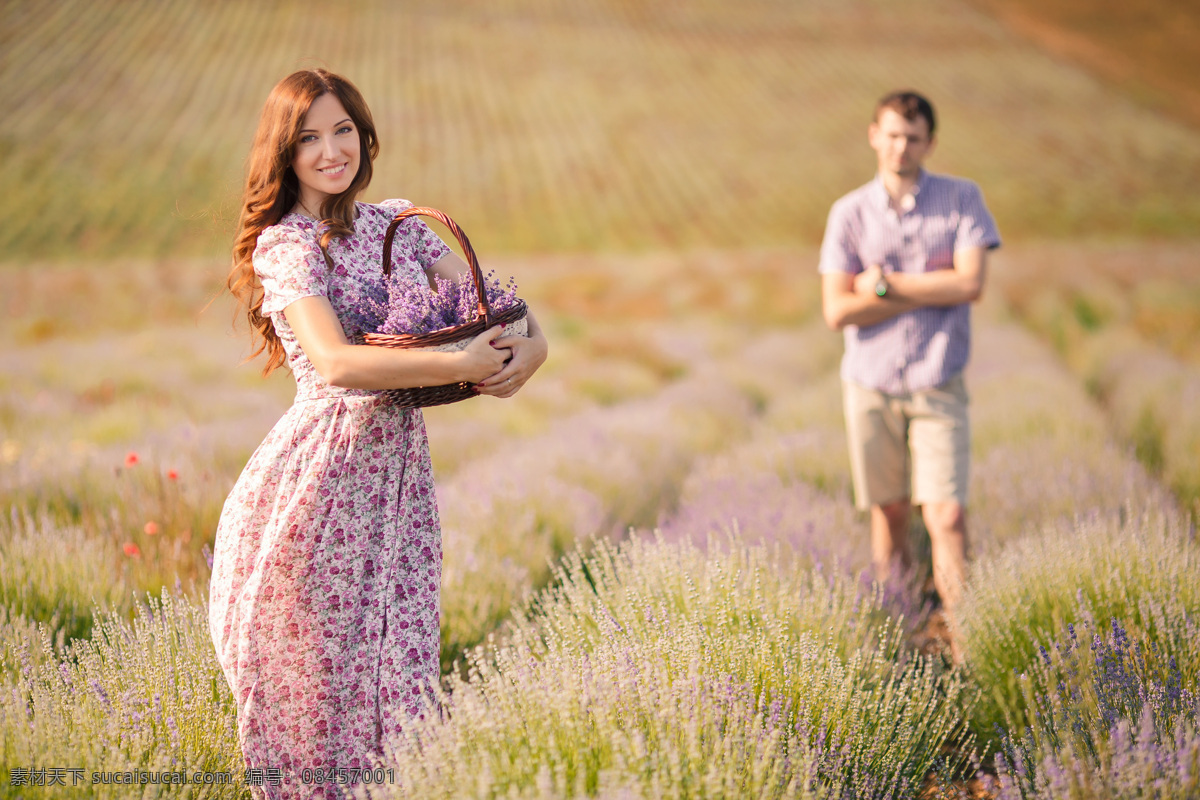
(323, 604)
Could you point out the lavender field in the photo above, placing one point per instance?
(654, 577)
(655, 581)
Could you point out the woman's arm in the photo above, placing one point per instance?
(528, 352)
(340, 363)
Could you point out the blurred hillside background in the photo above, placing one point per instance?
(591, 125)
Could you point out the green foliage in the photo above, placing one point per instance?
(1112, 718)
(604, 470)
(1086, 314)
(665, 671)
(1147, 435)
(61, 586)
(1145, 572)
(141, 695)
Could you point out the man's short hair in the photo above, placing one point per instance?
(909, 105)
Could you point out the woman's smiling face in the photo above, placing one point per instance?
(327, 155)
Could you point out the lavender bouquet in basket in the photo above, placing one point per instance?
(445, 317)
(415, 308)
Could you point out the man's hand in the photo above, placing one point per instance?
(844, 303)
(865, 281)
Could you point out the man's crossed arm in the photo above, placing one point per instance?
(851, 299)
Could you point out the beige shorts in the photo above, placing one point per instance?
(915, 446)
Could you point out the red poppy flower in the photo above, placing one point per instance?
(131, 458)
(151, 528)
(132, 550)
(172, 475)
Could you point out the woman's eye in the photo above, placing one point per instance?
(306, 138)
(345, 129)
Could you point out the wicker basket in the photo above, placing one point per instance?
(456, 337)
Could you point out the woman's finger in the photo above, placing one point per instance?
(503, 387)
(500, 380)
(514, 341)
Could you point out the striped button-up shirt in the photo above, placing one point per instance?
(927, 346)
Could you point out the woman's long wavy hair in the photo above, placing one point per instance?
(272, 188)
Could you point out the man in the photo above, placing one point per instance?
(903, 258)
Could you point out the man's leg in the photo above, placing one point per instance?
(890, 550)
(878, 442)
(879, 459)
(947, 526)
(940, 436)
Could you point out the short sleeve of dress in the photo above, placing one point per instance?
(290, 265)
(417, 239)
(976, 227)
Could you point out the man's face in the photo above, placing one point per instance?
(901, 145)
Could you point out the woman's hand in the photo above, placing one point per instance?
(528, 353)
(485, 355)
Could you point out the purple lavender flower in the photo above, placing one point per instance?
(1112, 716)
(99, 690)
(414, 307)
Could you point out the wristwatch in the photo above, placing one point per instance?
(881, 286)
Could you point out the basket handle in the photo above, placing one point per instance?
(483, 309)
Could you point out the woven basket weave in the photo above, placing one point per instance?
(456, 337)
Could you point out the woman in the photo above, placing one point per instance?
(326, 570)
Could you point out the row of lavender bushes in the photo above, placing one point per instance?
(1125, 324)
(1111, 718)
(746, 616)
(1072, 638)
(620, 677)
(121, 525)
(141, 694)
(764, 488)
(662, 669)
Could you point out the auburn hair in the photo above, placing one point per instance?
(272, 188)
